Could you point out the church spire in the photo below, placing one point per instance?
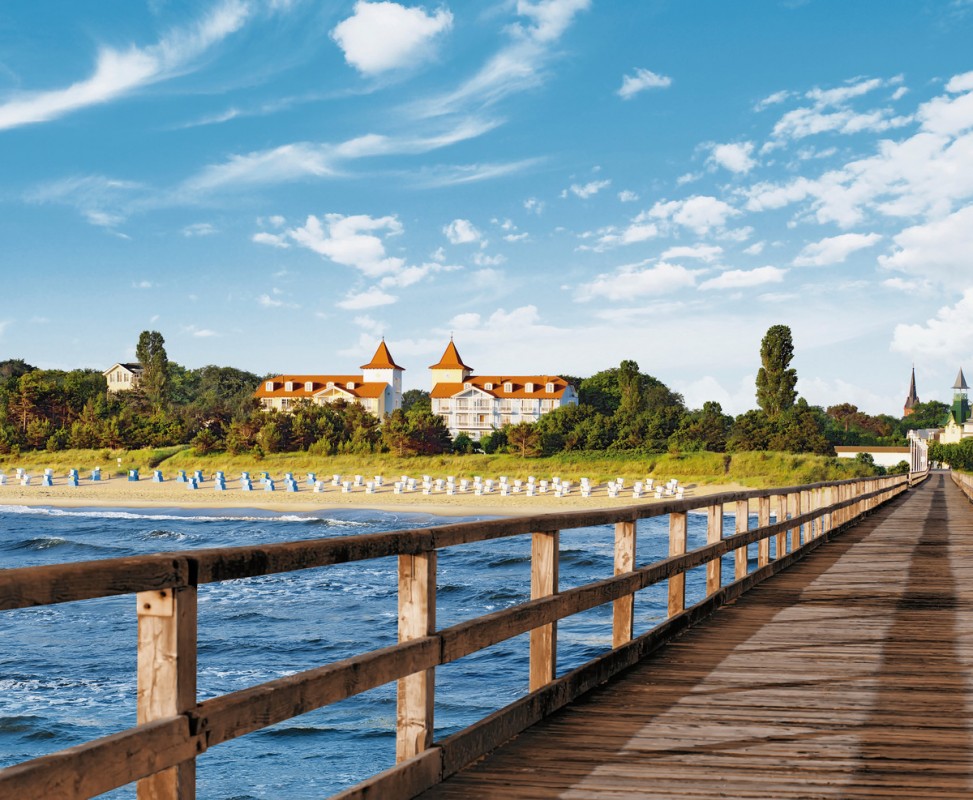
(913, 398)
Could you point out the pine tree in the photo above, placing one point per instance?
(776, 381)
(154, 381)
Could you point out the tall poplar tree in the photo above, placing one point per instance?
(776, 380)
(154, 381)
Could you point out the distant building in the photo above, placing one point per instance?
(910, 402)
(378, 388)
(478, 404)
(123, 377)
(958, 425)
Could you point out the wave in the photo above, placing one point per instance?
(169, 516)
(53, 543)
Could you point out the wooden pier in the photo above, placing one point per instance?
(846, 676)
(833, 666)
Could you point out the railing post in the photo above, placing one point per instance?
(794, 507)
(742, 526)
(167, 678)
(714, 534)
(417, 618)
(763, 520)
(677, 546)
(780, 546)
(623, 609)
(544, 549)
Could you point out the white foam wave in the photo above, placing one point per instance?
(133, 515)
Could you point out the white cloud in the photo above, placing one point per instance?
(642, 79)
(534, 206)
(960, 83)
(803, 122)
(639, 230)
(627, 196)
(204, 333)
(842, 94)
(946, 337)
(743, 278)
(267, 301)
(835, 249)
(483, 260)
(755, 249)
(383, 36)
(516, 237)
(272, 239)
(351, 240)
(704, 252)
(735, 157)
(586, 190)
(370, 298)
(120, 72)
(938, 250)
(199, 229)
(462, 231)
(413, 274)
(638, 280)
(487, 278)
(699, 213)
(772, 100)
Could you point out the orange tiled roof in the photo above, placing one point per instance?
(318, 383)
(382, 359)
(451, 359)
(518, 388)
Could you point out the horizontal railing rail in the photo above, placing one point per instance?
(174, 728)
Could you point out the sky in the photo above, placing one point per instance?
(275, 185)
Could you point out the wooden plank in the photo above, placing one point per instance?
(780, 540)
(417, 620)
(742, 514)
(763, 521)
(166, 685)
(544, 558)
(677, 546)
(623, 609)
(714, 534)
(794, 510)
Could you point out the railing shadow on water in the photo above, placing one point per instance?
(572, 626)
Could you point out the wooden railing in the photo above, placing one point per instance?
(964, 481)
(173, 728)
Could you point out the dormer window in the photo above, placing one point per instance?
(308, 386)
(331, 384)
(270, 386)
(508, 387)
(550, 388)
(289, 386)
(467, 386)
(529, 387)
(488, 387)
(350, 385)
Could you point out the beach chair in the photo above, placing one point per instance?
(157, 476)
(246, 485)
(370, 487)
(530, 490)
(318, 486)
(311, 479)
(47, 480)
(192, 483)
(464, 485)
(397, 487)
(336, 480)
(292, 486)
(543, 487)
(346, 487)
(269, 485)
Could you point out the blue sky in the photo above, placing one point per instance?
(560, 184)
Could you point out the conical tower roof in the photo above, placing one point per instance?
(382, 359)
(913, 397)
(960, 381)
(451, 359)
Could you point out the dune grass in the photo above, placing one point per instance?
(754, 469)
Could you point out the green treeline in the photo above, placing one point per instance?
(621, 409)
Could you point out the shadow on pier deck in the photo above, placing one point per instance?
(843, 676)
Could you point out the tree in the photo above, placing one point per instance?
(154, 381)
(524, 440)
(776, 380)
(416, 398)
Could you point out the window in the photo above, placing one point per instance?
(270, 386)
(350, 385)
(508, 387)
(529, 387)
(289, 386)
(331, 384)
(308, 386)
(550, 388)
(488, 386)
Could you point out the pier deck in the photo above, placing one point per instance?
(844, 676)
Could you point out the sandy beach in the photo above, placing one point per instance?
(118, 492)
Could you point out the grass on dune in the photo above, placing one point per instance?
(755, 469)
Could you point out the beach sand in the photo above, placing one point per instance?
(118, 492)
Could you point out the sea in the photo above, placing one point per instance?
(68, 671)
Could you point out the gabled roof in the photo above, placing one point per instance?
(318, 382)
(960, 381)
(382, 359)
(498, 384)
(134, 367)
(451, 359)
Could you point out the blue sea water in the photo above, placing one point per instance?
(67, 672)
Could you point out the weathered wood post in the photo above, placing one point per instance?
(714, 534)
(794, 507)
(742, 526)
(780, 545)
(417, 618)
(544, 556)
(763, 520)
(677, 546)
(623, 609)
(167, 678)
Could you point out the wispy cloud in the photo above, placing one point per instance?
(640, 81)
(119, 73)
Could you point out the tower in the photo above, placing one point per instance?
(961, 404)
(450, 368)
(913, 398)
(383, 369)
